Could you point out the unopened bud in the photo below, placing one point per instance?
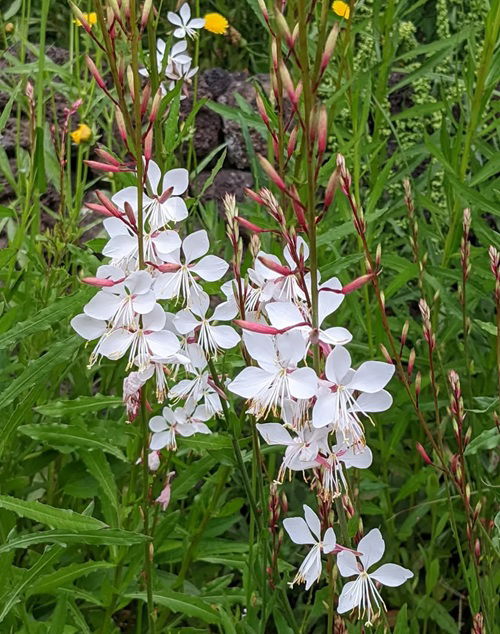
(155, 107)
(331, 188)
(272, 173)
(468, 436)
(146, 94)
(262, 109)
(130, 82)
(288, 84)
(148, 145)
(386, 354)
(292, 142)
(357, 283)
(80, 18)
(129, 212)
(418, 384)
(404, 332)
(263, 8)
(423, 453)
(329, 46)
(477, 549)
(120, 122)
(283, 28)
(322, 130)
(378, 256)
(411, 361)
(146, 9)
(95, 73)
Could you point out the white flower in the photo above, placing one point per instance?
(277, 378)
(308, 531)
(362, 593)
(282, 282)
(337, 403)
(176, 72)
(331, 468)
(165, 205)
(210, 337)
(184, 421)
(186, 26)
(143, 343)
(178, 278)
(198, 387)
(160, 55)
(178, 54)
(122, 303)
(301, 450)
(123, 246)
(132, 385)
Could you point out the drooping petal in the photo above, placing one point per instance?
(210, 268)
(329, 540)
(323, 410)
(120, 247)
(312, 521)
(225, 337)
(391, 575)
(178, 179)
(298, 530)
(117, 344)
(313, 571)
(250, 381)
(160, 440)
(303, 383)
(157, 423)
(102, 305)
(372, 376)
(274, 434)
(373, 402)
(347, 564)
(348, 598)
(125, 195)
(87, 327)
(195, 245)
(335, 336)
(328, 301)
(359, 460)
(337, 364)
(372, 546)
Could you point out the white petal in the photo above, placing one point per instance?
(127, 194)
(177, 48)
(314, 568)
(302, 249)
(312, 521)
(373, 402)
(180, 33)
(225, 311)
(116, 227)
(173, 18)
(87, 327)
(185, 322)
(163, 343)
(291, 346)
(186, 429)
(329, 540)
(178, 179)
(250, 381)
(120, 247)
(372, 546)
(274, 434)
(391, 575)
(155, 320)
(185, 12)
(328, 301)
(210, 268)
(138, 282)
(347, 564)
(116, 344)
(225, 336)
(153, 176)
(200, 303)
(176, 209)
(160, 440)
(336, 336)
(337, 364)
(359, 460)
(348, 599)
(283, 314)
(323, 410)
(259, 347)
(157, 423)
(144, 303)
(303, 383)
(166, 242)
(197, 23)
(298, 530)
(372, 376)
(195, 245)
(102, 306)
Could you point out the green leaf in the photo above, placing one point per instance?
(81, 405)
(99, 537)
(10, 598)
(57, 312)
(486, 441)
(439, 614)
(63, 576)
(99, 468)
(183, 603)
(36, 372)
(49, 515)
(67, 438)
(401, 626)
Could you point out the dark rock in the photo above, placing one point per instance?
(227, 181)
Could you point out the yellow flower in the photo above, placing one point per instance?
(216, 23)
(91, 19)
(342, 9)
(81, 134)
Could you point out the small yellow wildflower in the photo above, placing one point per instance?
(342, 9)
(216, 23)
(91, 19)
(9, 27)
(81, 134)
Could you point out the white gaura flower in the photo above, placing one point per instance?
(301, 449)
(277, 378)
(178, 273)
(122, 303)
(287, 315)
(211, 338)
(177, 72)
(184, 421)
(165, 205)
(337, 403)
(330, 468)
(186, 26)
(161, 48)
(178, 54)
(89, 328)
(308, 531)
(282, 282)
(199, 387)
(123, 247)
(143, 343)
(362, 593)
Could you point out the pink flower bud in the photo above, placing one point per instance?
(423, 454)
(254, 196)
(292, 142)
(275, 266)
(262, 329)
(107, 157)
(148, 145)
(243, 222)
(169, 267)
(120, 122)
(164, 498)
(99, 281)
(272, 173)
(322, 133)
(146, 94)
(99, 209)
(357, 283)
(154, 460)
(95, 73)
(262, 109)
(104, 166)
(146, 9)
(155, 107)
